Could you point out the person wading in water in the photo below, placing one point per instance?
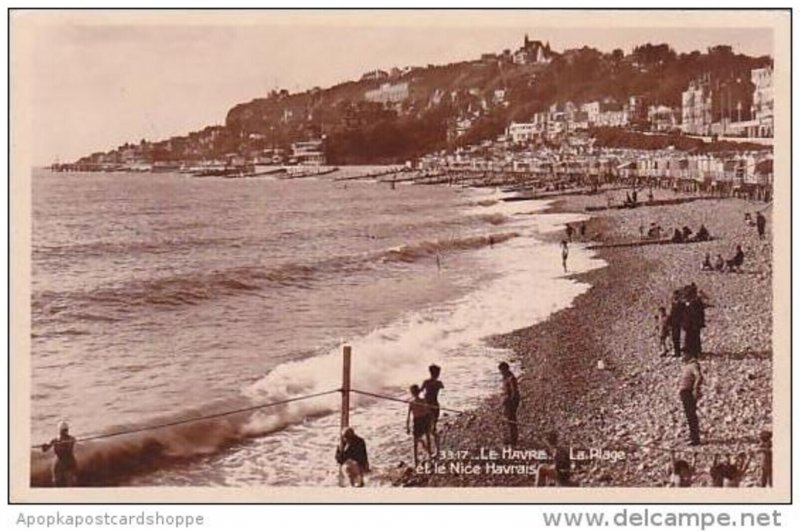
(65, 469)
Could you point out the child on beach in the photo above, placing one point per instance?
(707, 263)
(420, 412)
(431, 388)
(662, 330)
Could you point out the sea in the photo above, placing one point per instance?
(162, 298)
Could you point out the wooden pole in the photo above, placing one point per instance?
(346, 351)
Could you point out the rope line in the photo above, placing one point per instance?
(394, 399)
(365, 393)
(204, 417)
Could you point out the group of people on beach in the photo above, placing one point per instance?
(722, 265)
(760, 223)
(685, 320)
(679, 235)
(686, 317)
(422, 421)
(684, 235)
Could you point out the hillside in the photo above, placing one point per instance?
(482, 95)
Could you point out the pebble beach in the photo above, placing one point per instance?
(594, 374)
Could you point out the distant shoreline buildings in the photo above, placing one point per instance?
(532, 96)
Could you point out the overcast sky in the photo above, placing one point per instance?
(96, 86)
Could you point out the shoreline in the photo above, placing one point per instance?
(632, 404)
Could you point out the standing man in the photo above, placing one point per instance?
(510, 403)
(675, 321)
(564, 254)
(351, 454)
(65, 469)
(690, 392)
(694, 320)
(761, 224)
(431, 388)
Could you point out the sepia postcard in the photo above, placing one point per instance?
(357, 256)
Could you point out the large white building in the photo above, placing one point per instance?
(523, 132)
(763, 108)
(309, 152)
(533, 52)
(388, 93)
(696, 109)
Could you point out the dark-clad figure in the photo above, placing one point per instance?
(569, 230)
(694, 320)
(675, 321)
(65, 469)
(702, 234)
(761, 224)
(690, 386)
(351, 454)
(511, 401)
(765, 448)
(560, 470)
(735, 263)
(431, 388)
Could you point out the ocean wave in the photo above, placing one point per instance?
(106, 248)
(412, 253)
(110, 304)
(132, 449)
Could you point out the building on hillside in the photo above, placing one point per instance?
(521, 133)
(696, 106)
(375, 75)
(592, 110)
(612, 118)
(309, 152)
(763, 107)
(636, 109)
(605, 113)
(388, 93)
(459, 127)
(533, 52)
(662, 118)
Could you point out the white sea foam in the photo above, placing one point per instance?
(529, 285)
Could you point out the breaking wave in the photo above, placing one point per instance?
(115, 303)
